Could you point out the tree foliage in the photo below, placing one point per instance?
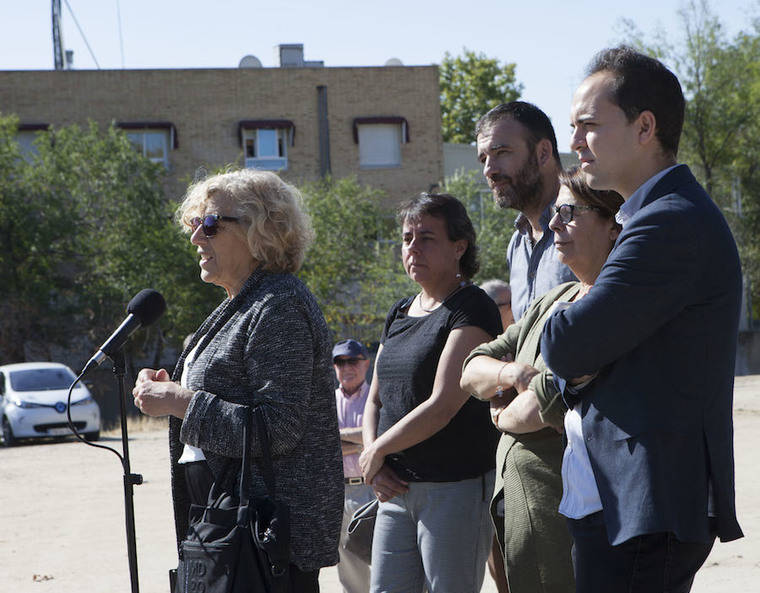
(720, 77)
(354, 267)
(471, 84)
(493, 226)
(84, 226)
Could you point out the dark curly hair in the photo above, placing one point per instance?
(458, 224)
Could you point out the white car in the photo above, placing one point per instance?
(33, 402)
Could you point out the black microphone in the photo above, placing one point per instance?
(144, 308)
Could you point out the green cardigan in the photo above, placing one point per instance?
(532, 533)
(522, 341)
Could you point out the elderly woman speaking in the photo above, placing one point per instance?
(265, 345)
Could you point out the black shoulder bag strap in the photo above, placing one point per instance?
(267, 470)
(245, 474)
(271, 529)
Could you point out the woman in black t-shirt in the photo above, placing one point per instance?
(430, 448)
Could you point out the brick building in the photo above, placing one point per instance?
(382, 124)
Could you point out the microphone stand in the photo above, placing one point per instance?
(145, 308)
(130, 479)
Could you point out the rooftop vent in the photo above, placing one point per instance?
(290, 55)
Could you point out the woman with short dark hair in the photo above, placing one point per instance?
(429, 448)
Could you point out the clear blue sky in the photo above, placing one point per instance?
(550, 40)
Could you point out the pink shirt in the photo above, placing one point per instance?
(350, 413)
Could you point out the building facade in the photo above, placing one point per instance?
(381, 124)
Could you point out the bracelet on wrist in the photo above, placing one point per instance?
(499, 386)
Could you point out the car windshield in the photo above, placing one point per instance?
(41, 379)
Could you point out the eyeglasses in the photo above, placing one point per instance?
(339, 362)
(210, 223)
(567, 211)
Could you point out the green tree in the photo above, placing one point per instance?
(493, 226)
(354, 266)
(85, 225)
(721, 137)
(717, 77)
(471, 84)
(743, 182)
(29, 237)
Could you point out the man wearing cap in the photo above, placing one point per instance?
(351, 362)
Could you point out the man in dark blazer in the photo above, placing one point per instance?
(647, 357)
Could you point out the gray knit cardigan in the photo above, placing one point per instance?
(268, 346)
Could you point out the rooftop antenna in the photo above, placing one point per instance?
(121, 38)
(58, 53)
(57, 36)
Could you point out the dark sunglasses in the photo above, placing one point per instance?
(210, 223)
(347, 361)
(567, 211)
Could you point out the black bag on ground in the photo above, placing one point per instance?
(237, 545)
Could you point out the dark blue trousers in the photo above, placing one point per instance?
(651, 563)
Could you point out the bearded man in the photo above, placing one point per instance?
(518, 150)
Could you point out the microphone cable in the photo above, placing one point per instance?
(74, 428)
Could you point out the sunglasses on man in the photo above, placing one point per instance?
(210, 223)
(347, 361)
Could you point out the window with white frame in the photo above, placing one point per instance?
(152, 139)
(152, 144)
(380, 140)
(266, 148)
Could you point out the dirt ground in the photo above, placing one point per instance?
(62, 524)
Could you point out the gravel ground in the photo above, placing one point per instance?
(62, 515)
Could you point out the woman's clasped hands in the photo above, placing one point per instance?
(377, 474)
(155, 394)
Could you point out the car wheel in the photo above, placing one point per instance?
(92, 436)
(8, 439)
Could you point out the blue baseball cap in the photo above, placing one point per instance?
(350, 348)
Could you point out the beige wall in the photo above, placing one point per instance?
(206, 105)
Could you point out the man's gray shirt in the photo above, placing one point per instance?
(533, 269)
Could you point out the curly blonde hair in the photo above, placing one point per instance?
(276, 227)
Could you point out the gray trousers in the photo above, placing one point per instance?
(437, 535)
(353, 572)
